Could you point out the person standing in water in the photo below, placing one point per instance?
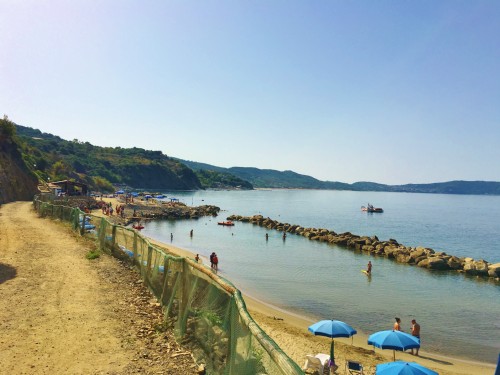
(397, 324)
(415, 332)
(369, 268)
(215, 259)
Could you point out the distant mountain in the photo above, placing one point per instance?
(269, 178)
(50, 156)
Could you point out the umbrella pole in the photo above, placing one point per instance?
(332, 352)
(394, 355)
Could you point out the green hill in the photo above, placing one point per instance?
(100, 167)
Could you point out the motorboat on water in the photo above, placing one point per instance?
(370, 208)
(226, 223)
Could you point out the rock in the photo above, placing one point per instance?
(494, 270)
(434, 263)
(403, 258)
(481, 267)
(454, 263)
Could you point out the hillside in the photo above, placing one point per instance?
(17, 182)
(269, 178)
(101, 167)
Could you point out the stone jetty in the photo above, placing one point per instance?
(170, 211)
(418, 256)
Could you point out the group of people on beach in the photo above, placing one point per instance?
(414, 329)
(107, 209)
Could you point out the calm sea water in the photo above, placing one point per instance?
(458, 315)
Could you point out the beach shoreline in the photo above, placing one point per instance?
(289, 331)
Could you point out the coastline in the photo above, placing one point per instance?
(289, 331)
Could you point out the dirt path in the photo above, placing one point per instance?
(63, 314)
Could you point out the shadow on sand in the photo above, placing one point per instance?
(7, 272)
(435, 360)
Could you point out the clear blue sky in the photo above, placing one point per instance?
(386, 91)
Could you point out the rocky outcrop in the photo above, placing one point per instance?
(17, 182)
(419, 256)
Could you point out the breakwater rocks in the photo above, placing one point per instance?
(170, 211)
(419, 256)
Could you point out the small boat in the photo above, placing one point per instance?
(370, 208)
(138, 226)
(226, 223)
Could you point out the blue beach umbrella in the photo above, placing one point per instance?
(120, 192)
(395, 340)
(497, 371)
(332, 328)
(403, 368)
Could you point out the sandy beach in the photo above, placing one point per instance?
(290, 332)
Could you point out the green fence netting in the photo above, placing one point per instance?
(207, 312)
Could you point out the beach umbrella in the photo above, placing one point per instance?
(403, 368)
(395, 340)
(497, 371)
(120, 192)
(148, 196)
(332, 328)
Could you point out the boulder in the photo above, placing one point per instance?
(390, 251)
(434, 263)
(481, 267)
(368, 248)
(454, 263)
(494, 270)
(403, 258)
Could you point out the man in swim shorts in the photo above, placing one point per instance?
(415, 331)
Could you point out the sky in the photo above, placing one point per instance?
(393, 92)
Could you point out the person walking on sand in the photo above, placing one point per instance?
(415, 332)
(397, 324)
(197, 258)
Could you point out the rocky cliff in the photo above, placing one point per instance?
(17, 182)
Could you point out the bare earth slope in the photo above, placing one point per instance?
(63, 314)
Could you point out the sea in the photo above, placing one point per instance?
(459, 315)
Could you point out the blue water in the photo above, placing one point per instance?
(458, 315)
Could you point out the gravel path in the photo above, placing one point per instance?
(63, 314)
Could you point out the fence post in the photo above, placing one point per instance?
(135, 247)
(82, 228)
(113, 239)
